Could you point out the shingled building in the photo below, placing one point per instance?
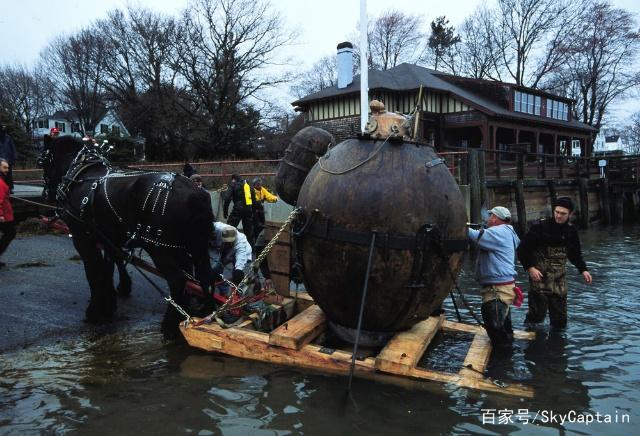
(455, 111)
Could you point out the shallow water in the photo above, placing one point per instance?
(134, 382)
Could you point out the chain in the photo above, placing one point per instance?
(254, 266)
(182, 312)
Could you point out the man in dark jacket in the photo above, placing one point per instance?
(243, 199)
(543, 252)
(8, 152)
(7, 225)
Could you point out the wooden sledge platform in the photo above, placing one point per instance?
(298, 342)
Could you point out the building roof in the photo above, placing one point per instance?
(406, 77)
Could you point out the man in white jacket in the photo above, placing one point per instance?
(230, 247)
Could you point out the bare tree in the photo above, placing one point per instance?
(601, 61)
(531, 32)
(394, 38)
(25, 95)
(76, 67)
(226, 48)
(323, 74)
(479, 52)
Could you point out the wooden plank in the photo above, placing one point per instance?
(254, 345)
(478, 330)
(477, 357)
(405, 349)
(299, 330)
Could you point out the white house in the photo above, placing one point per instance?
(68, 123)
(608, 144)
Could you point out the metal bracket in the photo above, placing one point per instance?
(433, 163)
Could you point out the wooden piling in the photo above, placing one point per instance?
(551, 184)
(520, 206)
(475, 186)
(619, 208)
(583, 187)
(606, 204)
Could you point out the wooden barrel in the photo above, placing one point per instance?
(301, 155)
(279, 257)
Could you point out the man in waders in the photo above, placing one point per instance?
(496, 272)
(544, 252)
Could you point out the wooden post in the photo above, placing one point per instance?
(583, 186)
(520, 165)
(482, 171)
(521, 208)
(474, 186)
(619, 199)
(561, 167)
(551, 184)
(606, 204)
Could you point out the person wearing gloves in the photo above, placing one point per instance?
(230, 247)
(496, 272)
(261, 195)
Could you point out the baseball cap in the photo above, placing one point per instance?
(501, 212)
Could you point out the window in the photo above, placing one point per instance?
(104, 129)
(75, 127)
(41, 124)
(527, 103)
(61, 127)
(557, 109)
(115, 130)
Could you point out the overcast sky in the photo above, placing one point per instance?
(27, 26)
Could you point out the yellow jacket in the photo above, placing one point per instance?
(263, 195)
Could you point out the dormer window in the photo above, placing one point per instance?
(527, 103)
(557, 109)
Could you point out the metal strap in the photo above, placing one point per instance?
(324, 229)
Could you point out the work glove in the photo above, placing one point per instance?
(237, 276)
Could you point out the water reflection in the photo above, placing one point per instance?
(134, 382)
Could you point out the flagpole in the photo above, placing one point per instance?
(364, 67)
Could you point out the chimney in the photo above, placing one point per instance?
(345, 64)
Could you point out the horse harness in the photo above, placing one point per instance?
(89, 157)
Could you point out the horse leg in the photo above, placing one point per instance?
(176, 280)
(102, 304)
(124, 283)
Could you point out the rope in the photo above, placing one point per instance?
(34, 202)
(339, 173)
(227, 305)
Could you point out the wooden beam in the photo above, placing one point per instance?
(459, 327)
(405, 349)
(299, 330)
(475, 363)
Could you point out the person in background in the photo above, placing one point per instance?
(543, 253)
(197, 180)
(261, 195)
(188, 170)
(7, 225)
(241, 194)
(7, 152)
(496, 272)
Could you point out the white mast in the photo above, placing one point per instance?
(364, 68)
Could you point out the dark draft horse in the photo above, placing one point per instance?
(160, 212)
